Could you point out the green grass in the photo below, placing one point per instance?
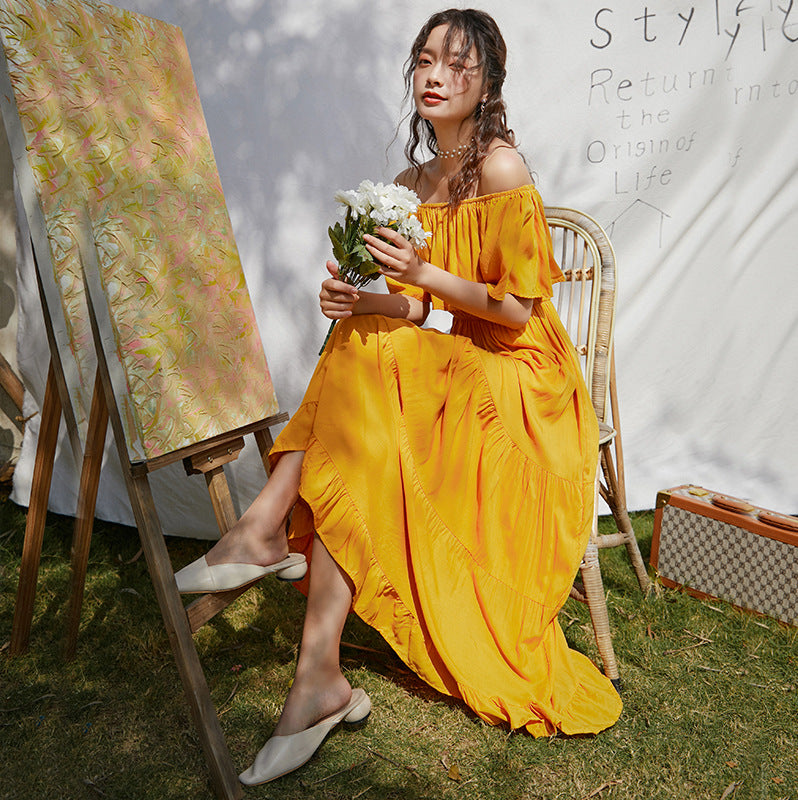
(710, 700)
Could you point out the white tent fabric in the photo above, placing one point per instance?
(672, 124)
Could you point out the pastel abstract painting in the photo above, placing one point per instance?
(113, 124)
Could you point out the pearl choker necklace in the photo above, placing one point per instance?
(456, 153)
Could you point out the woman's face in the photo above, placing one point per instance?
(444, 88)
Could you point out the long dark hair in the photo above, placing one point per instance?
(467, 29)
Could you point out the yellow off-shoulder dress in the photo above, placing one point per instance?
(451, 476)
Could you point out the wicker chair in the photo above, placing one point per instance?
(585, 302)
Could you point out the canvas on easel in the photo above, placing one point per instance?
(112, 121)
(118, 177)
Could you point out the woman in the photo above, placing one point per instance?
(443, 483)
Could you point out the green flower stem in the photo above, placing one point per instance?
(327, 337)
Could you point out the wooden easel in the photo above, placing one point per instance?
(206, 457)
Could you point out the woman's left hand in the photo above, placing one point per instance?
(398, 257)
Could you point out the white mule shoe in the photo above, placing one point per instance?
(283, 754)
(200, 577)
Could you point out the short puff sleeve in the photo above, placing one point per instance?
(516, 253)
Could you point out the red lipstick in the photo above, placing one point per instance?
(432, 98)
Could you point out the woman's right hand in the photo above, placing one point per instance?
(336, 298)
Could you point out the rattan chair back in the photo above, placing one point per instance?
(585, 300)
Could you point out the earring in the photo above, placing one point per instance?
(481, 106)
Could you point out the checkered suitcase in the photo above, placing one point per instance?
(721, 547)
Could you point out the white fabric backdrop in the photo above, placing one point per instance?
(672, 123)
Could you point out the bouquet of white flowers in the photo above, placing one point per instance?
(367, 208)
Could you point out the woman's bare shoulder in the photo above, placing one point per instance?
(503, 169)
(409, 178)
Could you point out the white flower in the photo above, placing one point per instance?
(367, 194)
(388, 205)
(413, 231)
(350, 200)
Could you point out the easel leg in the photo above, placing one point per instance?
(263, 438)
(84, 521)
(223, 776)
(221, 500)
(37, 514)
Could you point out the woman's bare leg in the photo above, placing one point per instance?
(319, 686)
(259, 536)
